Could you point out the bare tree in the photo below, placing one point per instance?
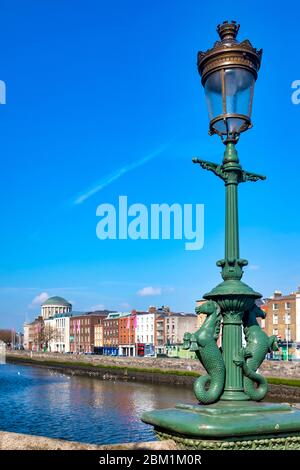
(49, 333)
(38, 335)
(44, 334)
(6, 336)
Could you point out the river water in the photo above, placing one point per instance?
(47, 403)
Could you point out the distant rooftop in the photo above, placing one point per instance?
(116, 315)
(182, 314)
(101, 312)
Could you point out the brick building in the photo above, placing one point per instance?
(127, 326)
(98, 336)
(282, 319)
(34, 335)
(111, 332)
(82, 331)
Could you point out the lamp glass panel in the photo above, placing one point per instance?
(220, 126)
(229, 125)
(235, 125)
(213, 93)
(239, 84)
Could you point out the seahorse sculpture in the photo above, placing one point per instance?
(208, 388)
(251, 356)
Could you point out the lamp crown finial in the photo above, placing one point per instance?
(228, 30)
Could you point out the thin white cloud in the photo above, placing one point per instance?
(117, 174)
(149, 291)
(39, 299)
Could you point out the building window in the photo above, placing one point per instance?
(275, 318)
(288, 334)
(288, 305)
(275, 331)
(287, 319)
(275, 306)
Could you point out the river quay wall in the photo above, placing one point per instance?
(154, 370)
(285, 369)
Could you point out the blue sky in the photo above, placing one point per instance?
(94, 87)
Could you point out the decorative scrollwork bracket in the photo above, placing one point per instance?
(229, 173)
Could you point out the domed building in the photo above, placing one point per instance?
(55, 305)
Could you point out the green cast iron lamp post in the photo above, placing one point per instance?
(227, 415)
(228, 72)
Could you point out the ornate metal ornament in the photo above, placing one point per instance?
(228, 415)
(209, 388)
(229, 70)
(229, 53)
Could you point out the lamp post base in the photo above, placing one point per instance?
(274, 443)
(234, 298)
(229, 425)
(229, 395)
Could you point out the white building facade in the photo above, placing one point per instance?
(57, 333)
(26, 336)
(145, 331)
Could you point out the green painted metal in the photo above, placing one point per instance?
(233, 297)
(228, 412)
(270, 443)
(251, 357)
(209, 388)
(230, 421)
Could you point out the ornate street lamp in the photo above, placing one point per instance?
(229, 71)
(230, 418)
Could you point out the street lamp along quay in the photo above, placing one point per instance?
(229, 71)
(228, 415)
